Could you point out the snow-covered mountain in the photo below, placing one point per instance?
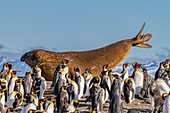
(151, 66)
(15, 61)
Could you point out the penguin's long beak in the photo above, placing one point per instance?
(128, 63)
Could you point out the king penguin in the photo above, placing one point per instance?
(146, 81)
(63, 70)
(12, 110)
(32, 98)
(2, 97)
(19, 87)
(61, 99)
(48, 105)
(4, 70)
(138, 78)
(73, 85)
(64, 62)
(87, 77)
(129, 90)
(60, 82)
(9, 74)
(30, 106)
(27, 82)
(166, 105)
(4, 87)
(72, 108)
(40, 83)
(124, 72)
(79, 79)
(97, 104)
(115, 102)
(160, 71)
(11, 84)
(14, 99)
(105, 84)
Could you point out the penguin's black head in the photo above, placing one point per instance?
(12, 109)
(68, 75)
(106, 66)
(116, 76)
(62, 66)
(15, 72)
(129, 83)
(64, 87)
(164, 96)
(125, 65)
(18, 96)
(110, 72)
(76, 111)
(103, 73)
(134, 64)
(65, 61)
(168, 70)
(94, 111)
(6, 64)
(144, 70)
(10, 66)
(97, 79)
(75, 103)
(88, 70)
(167, 60)
(28, 98)
(27, 73)
(162, 63)
(76, 69)
(35, 111)
(139, 65)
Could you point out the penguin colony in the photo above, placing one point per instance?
(26, 94)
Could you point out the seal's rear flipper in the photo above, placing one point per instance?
(143, 45)
(139, 39)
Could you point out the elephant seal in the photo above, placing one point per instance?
(112, 54)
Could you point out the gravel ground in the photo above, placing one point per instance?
(141, 104)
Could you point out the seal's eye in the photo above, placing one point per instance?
(28, 54)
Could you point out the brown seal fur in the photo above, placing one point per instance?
(112, 54)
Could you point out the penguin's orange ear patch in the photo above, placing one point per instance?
(131, 79)
(126, 80)
(152, 91)
(95, 85)
(97, 79)
(76, 101)
(94, 112)
(164, 96)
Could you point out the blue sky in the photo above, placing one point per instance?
(77, 25)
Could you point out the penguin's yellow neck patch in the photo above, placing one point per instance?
(3, 80)
(15, 76)
(139, 71)
(72, 82)
(91, 75)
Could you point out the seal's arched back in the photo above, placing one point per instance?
(112, 54)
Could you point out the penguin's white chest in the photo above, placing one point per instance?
(126, 75)
(28, 107)
(138, 79)
(2, 99)
(166, 105)
(81, 87)
(50, 108)
(163, 87)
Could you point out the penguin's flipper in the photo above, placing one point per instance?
(143, 45)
